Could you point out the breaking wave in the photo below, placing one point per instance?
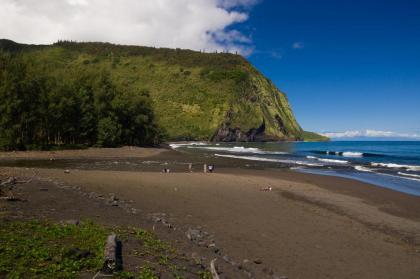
(396, 166)
(328, 160)
(362, 168)
(239, 149)
(333, 161)
(347, 153)
(178, 145)
(254, 158)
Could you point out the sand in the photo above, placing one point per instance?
(308, 226)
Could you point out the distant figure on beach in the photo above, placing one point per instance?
(211, 168)
(190, 167)
(166, 170)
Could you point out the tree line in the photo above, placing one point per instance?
(39, 110)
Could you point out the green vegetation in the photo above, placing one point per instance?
(135, 95)
(39, 249)
(310, 136)
(79, 108)
(43, 250)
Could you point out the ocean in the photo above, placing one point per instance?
(390, 164)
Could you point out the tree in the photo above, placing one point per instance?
(109, 132)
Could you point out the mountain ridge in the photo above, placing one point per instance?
(195, 95)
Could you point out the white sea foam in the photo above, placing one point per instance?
(396, 166)
(416, 176)
(361, 168)
(239, 149)
(254, 158)
(327, 160)
(333, 161)
(178, 145)
(352, 154)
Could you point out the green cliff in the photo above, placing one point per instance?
(194, 95)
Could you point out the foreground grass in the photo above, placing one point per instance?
(38, 249)
(45, 250)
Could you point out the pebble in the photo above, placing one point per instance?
(258, 261)
(194, 234)
(114, 203)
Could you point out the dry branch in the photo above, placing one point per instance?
(213, 269)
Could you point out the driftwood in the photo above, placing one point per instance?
(12, 181)
(9, 181)
(213, 270)
(111, 262)
(9, 185)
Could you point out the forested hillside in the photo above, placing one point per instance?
(39, 110)
(108, 95)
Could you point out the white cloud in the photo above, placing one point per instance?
(298, 45)
(371, 134)
(192, 24)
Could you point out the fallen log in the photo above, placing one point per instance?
(9, 181)
(213, 270)
(111, 263)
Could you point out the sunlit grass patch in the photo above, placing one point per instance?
(48, 250)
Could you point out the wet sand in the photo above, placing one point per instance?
(308, 226)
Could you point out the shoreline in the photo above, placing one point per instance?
(178, 160)
(307, 226)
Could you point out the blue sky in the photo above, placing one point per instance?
(345, 65)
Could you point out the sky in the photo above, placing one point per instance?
(349, 68)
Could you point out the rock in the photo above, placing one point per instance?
(67, 171)
(114, 203)
(268, 271)
(71, 222)
(257, 261)
(228, 134)
(194, 234)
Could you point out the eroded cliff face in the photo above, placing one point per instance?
(259, 112)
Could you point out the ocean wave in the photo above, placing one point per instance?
(333, 161)
(352, 154)
(254, 158)
(396, 166)
(347, 153)
(328, 160)
(416, 176)
(178, 145)
(239, 149)
(362, 168)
